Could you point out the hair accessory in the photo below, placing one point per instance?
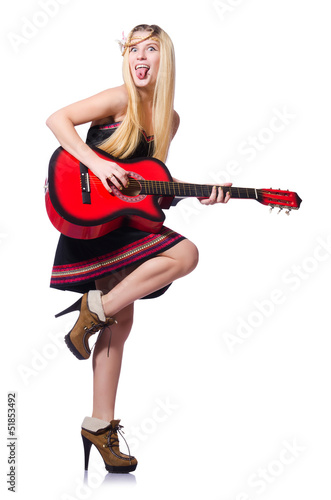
(122, 43)
(131, 40)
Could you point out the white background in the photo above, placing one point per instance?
(237, 397)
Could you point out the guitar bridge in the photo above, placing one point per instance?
(85, 184)
(85, 178)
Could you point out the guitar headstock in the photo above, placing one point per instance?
(281, 199)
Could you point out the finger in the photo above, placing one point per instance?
(118, 180)
(112, 179)
(116, 175)
(121, 175)
(213, 196)
(227, 197)
(220, 195)
(106, 185)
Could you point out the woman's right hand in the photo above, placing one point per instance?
(109, 172)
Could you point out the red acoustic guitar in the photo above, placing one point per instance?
(80, 207)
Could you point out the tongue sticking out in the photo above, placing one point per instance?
(141, 73)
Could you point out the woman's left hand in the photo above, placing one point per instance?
(217, 195)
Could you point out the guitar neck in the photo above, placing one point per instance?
(180, 189)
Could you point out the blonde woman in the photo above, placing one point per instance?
(134, 120)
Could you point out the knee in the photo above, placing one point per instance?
(190, 258)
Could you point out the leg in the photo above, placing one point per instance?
(106, 375)
(152, 275)
(97, 312)
(107, 369)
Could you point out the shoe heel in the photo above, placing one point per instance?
(75, 307)
(72, 348)
(87, 448)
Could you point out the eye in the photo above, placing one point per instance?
(151, 48)
(133, 49)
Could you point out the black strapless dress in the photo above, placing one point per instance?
(78, 263)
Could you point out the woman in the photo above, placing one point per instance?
(134, 120)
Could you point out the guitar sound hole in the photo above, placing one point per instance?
(133, 189)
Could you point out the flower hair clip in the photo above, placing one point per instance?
(122, 43)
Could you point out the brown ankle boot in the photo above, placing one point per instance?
(104, 436)
(91, 319)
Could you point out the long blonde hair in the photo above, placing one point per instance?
(126, 138)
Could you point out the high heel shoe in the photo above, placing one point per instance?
(104, 436)
(91, 319)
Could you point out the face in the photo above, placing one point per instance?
(144, 61)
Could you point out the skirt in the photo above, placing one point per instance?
(78, 263)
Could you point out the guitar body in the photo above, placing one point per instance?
(79, 206)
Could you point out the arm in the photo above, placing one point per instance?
(62, 123)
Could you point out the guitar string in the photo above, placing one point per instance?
(186, 186)
(204, 190)
(191, 185)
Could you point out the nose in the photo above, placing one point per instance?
(141, 55)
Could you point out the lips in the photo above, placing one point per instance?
(141, 71)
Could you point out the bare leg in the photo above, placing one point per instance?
(107, 369)
(151, 276)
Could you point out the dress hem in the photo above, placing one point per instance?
(80, 277)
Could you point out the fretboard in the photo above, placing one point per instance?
(195, 190)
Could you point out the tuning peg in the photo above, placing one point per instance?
(288, 211)
(271, 208)
(280, 209)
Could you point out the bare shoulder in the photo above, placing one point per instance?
(175, 123)
(114, 104)
(116, 97)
